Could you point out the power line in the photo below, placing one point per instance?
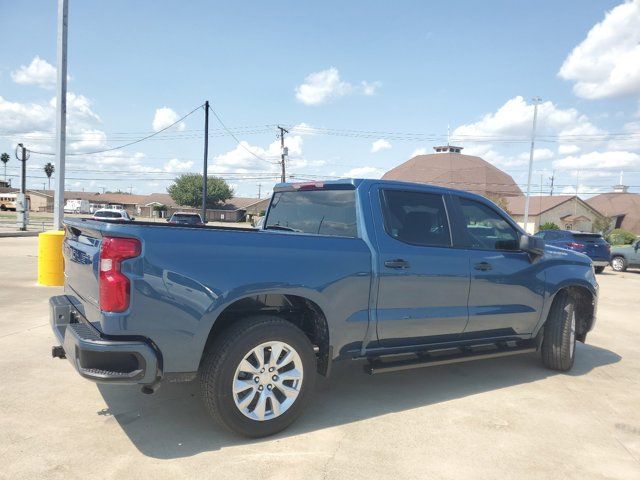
(130, 143)
(215, 114)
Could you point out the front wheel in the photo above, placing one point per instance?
(257, 378)
(559, 341)
(618, 264)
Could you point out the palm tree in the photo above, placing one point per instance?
(5, 158)
(49, 169)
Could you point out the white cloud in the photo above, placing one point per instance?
(515, 118)
(568, 149)
(601, 160)
(164, 117)
(325, 85)
(175, 165)
(379, 145)
(364, 172)
(419, 151)
(39, 72)
(607, 62)
(24, 117)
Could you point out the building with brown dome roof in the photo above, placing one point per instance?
(448, 167)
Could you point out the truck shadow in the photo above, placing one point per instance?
(172, 423)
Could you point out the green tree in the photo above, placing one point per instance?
(549, 226)
(601, 224)
(187, 190)
(620, 236)
(49, 169)
(5, 158)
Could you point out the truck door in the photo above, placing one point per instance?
(507, 289)
(423, 283)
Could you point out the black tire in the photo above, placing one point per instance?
(618, 263)
(599, 269)
(558, 344)
(223, 356)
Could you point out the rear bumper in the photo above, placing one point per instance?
(97, 358)
(600, 263)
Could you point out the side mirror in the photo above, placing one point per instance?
(532, 245)
(168, 219)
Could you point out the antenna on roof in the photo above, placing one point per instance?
(449, 136)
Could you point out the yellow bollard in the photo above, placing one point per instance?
(50, 262)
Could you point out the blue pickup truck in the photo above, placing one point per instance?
(399, 275)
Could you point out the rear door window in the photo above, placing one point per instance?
(318, 212)
(416, 218)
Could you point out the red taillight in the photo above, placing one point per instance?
(575, 245)
(114, 286)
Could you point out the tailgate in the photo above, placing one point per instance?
(595, 245)
(81, 249)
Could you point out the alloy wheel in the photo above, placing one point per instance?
(267, 381)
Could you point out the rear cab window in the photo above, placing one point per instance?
(329, 212)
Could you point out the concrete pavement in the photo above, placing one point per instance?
(502, 418)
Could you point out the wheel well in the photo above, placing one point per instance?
(584, 304)
(300, 311)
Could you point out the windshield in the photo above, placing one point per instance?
(108, 215)
(185, 218)
(319, 212)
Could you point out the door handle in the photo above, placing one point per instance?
(483, 266)
(397, 263)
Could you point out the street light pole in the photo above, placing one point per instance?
(536, 101)
(205, 172)
(61, 113)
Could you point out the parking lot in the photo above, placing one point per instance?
(506, 418)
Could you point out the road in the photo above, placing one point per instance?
(501, 418)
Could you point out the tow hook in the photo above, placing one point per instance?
(58, 352)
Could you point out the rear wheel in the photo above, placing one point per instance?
(618, 264)
(599, 269)
(258, 376)
(559, 341)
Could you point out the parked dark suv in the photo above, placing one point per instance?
(591, 244)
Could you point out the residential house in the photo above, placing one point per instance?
(621, 206)
(569, 212)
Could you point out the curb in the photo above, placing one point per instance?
(18, 234)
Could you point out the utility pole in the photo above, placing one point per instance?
(552, 178)
(61, 112)
(22, 206)
(259, 190)
(536, 101)
(283, 175)
(205, 167)
(130, 189)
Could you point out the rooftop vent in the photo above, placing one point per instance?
(447, 149)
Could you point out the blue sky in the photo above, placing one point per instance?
(342, 68)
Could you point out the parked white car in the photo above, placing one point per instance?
(112, 214)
